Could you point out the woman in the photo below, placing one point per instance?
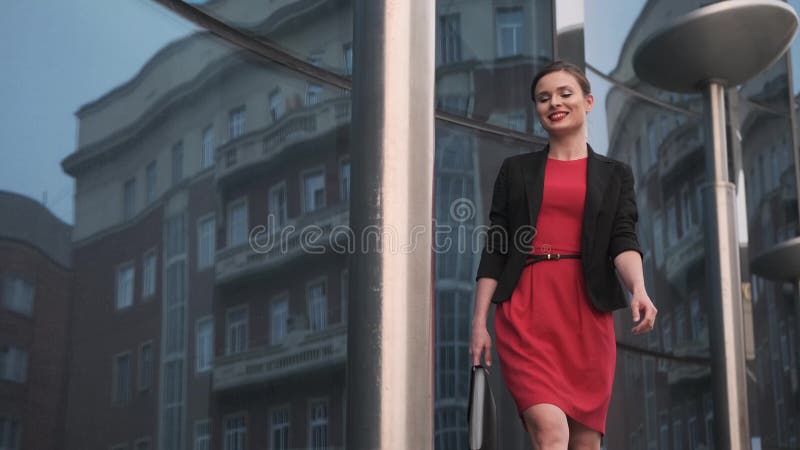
(554, 296)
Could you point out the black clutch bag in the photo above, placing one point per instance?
(481, 412)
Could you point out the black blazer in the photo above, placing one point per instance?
(609, 224)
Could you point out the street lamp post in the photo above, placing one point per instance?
(724, 44)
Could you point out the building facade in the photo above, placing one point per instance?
(36, 273)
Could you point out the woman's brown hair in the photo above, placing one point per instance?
(557, 66)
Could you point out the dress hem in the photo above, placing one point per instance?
(567, 411)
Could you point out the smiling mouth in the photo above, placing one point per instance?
(556, 117)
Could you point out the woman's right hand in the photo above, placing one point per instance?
(481, 342)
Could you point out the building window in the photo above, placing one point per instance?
(450, 38)
(680, 324)
(318, 425)
(177, 163)
(205, 242)
(509, 32)
(277, 206)
(125, 275)
(150, 177)
(666, 337)
(516, 122)
(276, 105)
(13, 364)
(677, 436)
(279, 429)
(237, 122)
(237, 223)
(236, 337)
(18, 295)
(121, 381)
(205, 345)
(452, 345)
(129, 199)
(698, 318)
(348, 58)
(315, 57)
(235, 433)
(345, 293)
(663, 431)
(207, 148)
(672, 223)
(146, 364)
(202, 435)
(313, 94)
(344, 180)
(279, 316)
(313, 190)
(149, 274)
(687, 210)
(317, 306)
(10, 433)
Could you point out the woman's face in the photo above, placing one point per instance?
(560, 103)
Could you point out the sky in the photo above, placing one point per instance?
(57, 56)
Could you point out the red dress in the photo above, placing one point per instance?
(554, 345)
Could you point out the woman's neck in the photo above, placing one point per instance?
(568, 147)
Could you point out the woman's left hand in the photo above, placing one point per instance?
(641, 306)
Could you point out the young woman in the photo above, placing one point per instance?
(554, 296)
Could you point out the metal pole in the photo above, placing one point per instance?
(390, 339)
(731, 425)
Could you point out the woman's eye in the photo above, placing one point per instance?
(566, 94)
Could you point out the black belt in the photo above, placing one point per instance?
(548, 257)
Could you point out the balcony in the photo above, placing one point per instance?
(681, 256)
(681, 143)
(696, 349)
(284, 246)
(265, 145)
(302, 352)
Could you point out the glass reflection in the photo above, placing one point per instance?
(486, 54)
(197, 317)
(466, 165)
(662, 403)
(329, 46)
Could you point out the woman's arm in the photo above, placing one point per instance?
(490, 268)
(629, 267)
(627, 255)
(481, 341)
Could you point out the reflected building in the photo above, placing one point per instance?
(662, 395)
(207, 318)
(36, 282)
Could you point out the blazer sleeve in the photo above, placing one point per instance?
(623, 232)
(495, 251)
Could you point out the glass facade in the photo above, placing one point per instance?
(156, 291)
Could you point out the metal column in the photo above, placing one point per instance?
(390, 321)
(726, 328)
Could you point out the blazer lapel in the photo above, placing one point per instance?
(533, 175)
(598, 173)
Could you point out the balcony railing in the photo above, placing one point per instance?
(265, 144)
(286, 244)
(686, 372)
(302, 352)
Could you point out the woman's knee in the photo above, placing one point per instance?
(547, 425)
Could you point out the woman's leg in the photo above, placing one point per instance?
(547, 427)
(582, 437)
